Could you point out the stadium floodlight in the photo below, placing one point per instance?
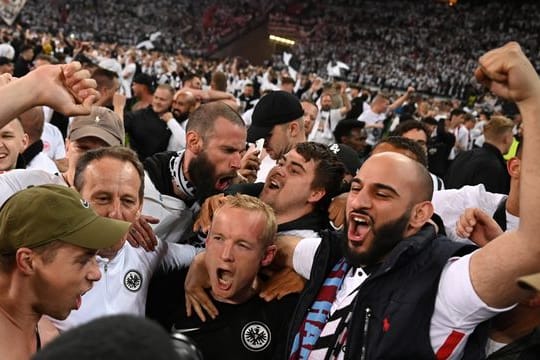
(281, 40)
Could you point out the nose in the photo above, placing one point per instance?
(114, 210)
(93, 273)
(359, 200)
(227, 252)
(236, 160)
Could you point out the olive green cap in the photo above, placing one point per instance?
(42, 214)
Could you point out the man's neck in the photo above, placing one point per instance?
(68, 176)
(292, 214)
(512, 202)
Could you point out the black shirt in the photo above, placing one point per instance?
(255, 329)
(148, 134)
(484, 165)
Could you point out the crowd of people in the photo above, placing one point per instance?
(197, 28)
(427, 44)
(255, 214)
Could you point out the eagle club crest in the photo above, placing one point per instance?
(256, 336)
(133, 280)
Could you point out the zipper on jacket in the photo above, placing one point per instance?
(367, 317)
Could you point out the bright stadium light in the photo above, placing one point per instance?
(281, 40)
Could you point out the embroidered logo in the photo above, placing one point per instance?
(133, 280)
(97, 119)
(386, 324)
(256, 336)
(334, 148)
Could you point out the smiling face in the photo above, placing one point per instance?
(162, 101)
(235, 251)
(112, 188)
(288, 187)
(383, 199)
(13, 141)
(62, 279)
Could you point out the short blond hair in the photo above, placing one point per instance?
(497, 126)
(250, 203)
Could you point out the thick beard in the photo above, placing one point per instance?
(385, 239)
(202, 175)
(180, 117)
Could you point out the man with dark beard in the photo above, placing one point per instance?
(177, 182)
(400, 291)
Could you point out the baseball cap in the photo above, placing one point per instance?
(277, 107)
(348, 156)
(4, 60)
(144, 79)
(42, 214)
(112, 66)
(102, 123)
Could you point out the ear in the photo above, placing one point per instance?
(420, 214)
(194, 142)
(269, 254)
(24, 259)
(514, 167)
(534, 301)
(316, 195)
(294, 128)
(25, 141)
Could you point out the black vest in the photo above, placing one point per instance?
(399, 298)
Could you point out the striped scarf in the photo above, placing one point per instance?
(319, 313)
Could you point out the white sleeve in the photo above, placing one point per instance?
(451, 203)
(178, 255)
(177, 142)
(304, 254)
(458, 309)
(59, 146)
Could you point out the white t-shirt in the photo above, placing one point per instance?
(173, 213)
(458, 309)
(53, 142)
(324, 126)
(371, 118)
(462, 138)
(177, 141)
(19, 179)
(450, 204)
(129, 71)
(124, 282)
(42, 162)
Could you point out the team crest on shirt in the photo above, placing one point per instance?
(256, 336)
(133, 280)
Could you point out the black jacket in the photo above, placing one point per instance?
(400, 292)
(484, 165)
(148, 134)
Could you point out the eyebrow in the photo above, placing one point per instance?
(378, 186)
(294, 163)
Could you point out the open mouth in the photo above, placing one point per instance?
(224, 279)
(224, 182)
(273, 185)
(359, 227)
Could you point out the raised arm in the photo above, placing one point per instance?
(507, 72)
(66, 88)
